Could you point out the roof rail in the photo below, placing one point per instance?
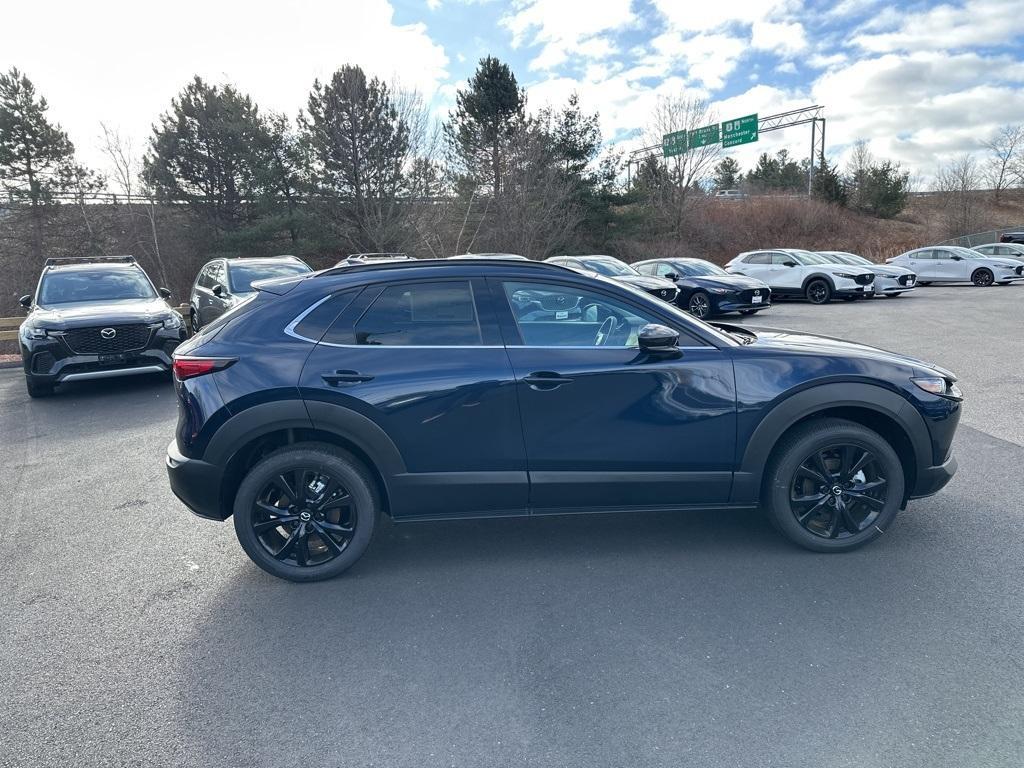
(357, 266)
(56, 261)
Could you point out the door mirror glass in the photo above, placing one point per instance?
(789, 263)
(25, 301)
(954, 257)
(654, 337)
(218, 289)
(165, 292)
(671, 276)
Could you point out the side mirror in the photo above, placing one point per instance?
(671, 276)
(656, 339)
(218, 289)
(26, 301)
(165, 292)
(954, 257)
(789, 263)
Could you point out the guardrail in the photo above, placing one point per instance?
(9, 325)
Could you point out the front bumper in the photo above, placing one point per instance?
(858, 291)
(933, 479)
(52, 361)
(736, 304)
(196, 484)
(890, 285)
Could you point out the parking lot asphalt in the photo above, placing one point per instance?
(134, 634)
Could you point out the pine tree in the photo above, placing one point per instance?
(487, 114)
(727, 174)
(209, 150)
(37, 159)
(827, 184)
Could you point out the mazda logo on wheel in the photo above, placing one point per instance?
(108, 333)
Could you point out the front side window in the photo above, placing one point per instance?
(781, 258)
(549, 315)
(667, 269)
(421, 314)
(94, 285)
(758, 258)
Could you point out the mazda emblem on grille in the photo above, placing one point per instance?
(108, 333)
(757, 292)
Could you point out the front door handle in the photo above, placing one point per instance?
(545, 380)
(338, 378)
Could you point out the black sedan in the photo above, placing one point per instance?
(705, 289)
(620, 271)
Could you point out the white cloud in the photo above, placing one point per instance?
(787, 68)
(974, 23)
(708, 59)
(124, 63)
(567, 28)
(781, 37)
(705, 16)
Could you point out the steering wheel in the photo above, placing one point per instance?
(605, 331)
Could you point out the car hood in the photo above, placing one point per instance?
(93, 313)
(729, 282)
(796, 341)
(646, 282)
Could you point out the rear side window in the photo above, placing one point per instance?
(314, 322)
(441, 314)
(758, 258)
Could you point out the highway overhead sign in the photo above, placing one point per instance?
(742, 130)
(673, 144)
(701, 137)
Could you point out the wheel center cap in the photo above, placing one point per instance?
(305, 516)
(837, 491)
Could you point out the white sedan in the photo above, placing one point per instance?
(889, 280)
(952, 264)
(1002, 250)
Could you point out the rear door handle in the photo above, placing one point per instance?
(545, 380)
(338, 378)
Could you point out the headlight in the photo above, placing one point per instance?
(847, 275)
(32, 332)
(718, 291)
(173, 321)
(939, 386)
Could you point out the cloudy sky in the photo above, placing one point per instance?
(921, 81)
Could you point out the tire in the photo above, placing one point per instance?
(818, 291)
(301, 535)
(193, 319)
(36, 388)
(824, 527)
(699, 305)
(983, 277)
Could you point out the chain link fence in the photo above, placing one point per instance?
(981, 238)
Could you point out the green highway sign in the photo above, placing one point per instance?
(702, 137)
(742, 130)
(673, 144)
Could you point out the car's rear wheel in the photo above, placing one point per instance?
(818, 291)
(833, 485)
(37, 388)
(982, 277)
(699, 304)
(307, 512)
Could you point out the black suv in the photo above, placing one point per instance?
(223, 283)
(454, 389)
(93, 318)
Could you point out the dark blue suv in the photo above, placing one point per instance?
(454, 389)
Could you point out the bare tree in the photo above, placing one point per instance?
(686, 172)
(139, 206)
(957, 182)
(858, 169)
(1005, 161)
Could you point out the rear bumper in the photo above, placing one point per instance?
(196, 484)
(933, 479)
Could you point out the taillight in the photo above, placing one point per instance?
(190, 367)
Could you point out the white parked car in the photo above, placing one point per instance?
(952, 264)
(1001, 250)
(889, 280)
(795, 273)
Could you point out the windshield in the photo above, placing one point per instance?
(698, 268)
(243, 275)
(806, 257)
(607, 267)
(94, 285)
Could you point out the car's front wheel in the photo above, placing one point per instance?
(833, 485)
(699, 304)
(982, 277)
(193, 319)
(818, 291)
(306, 512)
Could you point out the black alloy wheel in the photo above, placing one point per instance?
(833, 485)
(983, 277)
(818, 292)
(838, 491)
(307, 512)
(699, 305)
